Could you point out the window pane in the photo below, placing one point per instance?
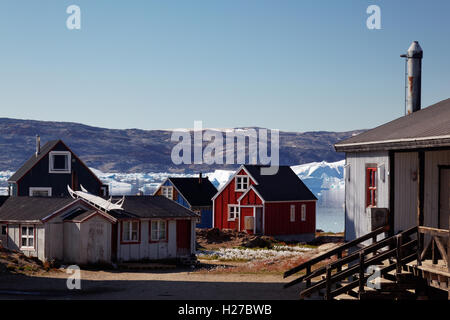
(24, 242)
(154, 226)
(126, 231)
(162, 234)
(154, 234)
(134, 226)
(60, 162)
(134, 235)
(24, 231)
(30, 242)
(31, 231)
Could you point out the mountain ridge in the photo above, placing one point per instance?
(139, 150)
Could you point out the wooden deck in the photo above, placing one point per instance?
(436, 275)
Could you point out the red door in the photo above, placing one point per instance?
(183, 237)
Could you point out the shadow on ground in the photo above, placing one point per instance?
(28, 287)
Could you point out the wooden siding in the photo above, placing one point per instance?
(405, 202)
(39, 176)
(153, 250)
(14, 242)
(226, 197)
(251, 198)
(278, 222)
(357, 216)
(431, 200)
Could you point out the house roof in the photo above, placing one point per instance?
(429, 127)
(45, 149)
(285, 185)
(197, 194)
(3, 199)
(78, 214)
(150, 207)
(31, 208)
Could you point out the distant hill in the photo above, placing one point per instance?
(134, 150)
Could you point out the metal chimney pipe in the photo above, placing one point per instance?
(413, 57)
(38, 145)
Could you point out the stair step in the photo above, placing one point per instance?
(377, 295)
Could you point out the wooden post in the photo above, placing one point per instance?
(328, 284)
(361, 272)
(448, 251)
(420, 191)
(339, 256)
(419, 248)
(398, 255)
(434, 257)
(308, 272)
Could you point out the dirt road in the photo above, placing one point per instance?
(169, 284)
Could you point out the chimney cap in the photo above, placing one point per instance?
(415, 51)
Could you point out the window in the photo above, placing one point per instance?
(3, 230)
(27, 237)
(233, 213)
(130, 231)
(40, 192)
(371, 187)
(167, 192)
(241, 183)
(158, 230)
(59, 162)
(303, 213)
(292, 213)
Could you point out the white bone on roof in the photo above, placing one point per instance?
(96, 200)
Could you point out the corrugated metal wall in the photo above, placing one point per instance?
(357, 216)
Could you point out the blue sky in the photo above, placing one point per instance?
(288, 65)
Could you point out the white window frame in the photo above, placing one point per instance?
(48, 189)
(159, 229)
(60, 153)
(303, 212)
(237, 183)
(165, 192)
(129, 224)
(292, 211)
(232, 216)
(27, 236)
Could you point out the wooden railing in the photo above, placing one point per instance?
(308, 266)
(439, 244)
(401, 247)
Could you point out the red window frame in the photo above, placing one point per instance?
(371, 187)
(122, 241)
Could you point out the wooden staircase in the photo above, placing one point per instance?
(347, 277)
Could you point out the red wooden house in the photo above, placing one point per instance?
(279, 205)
